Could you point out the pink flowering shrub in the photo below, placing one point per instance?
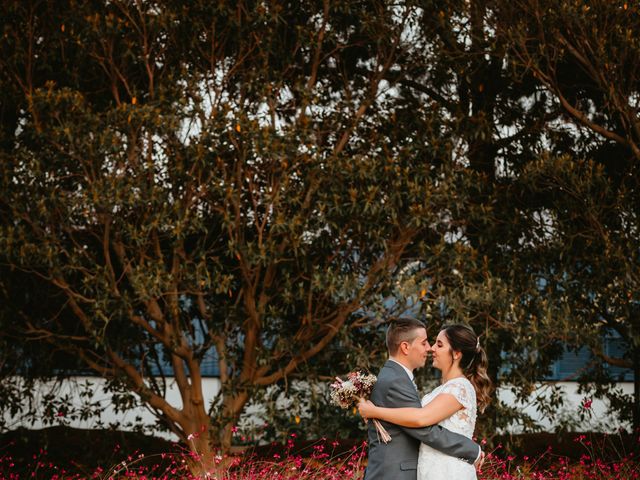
(322, 460)
(512, 468)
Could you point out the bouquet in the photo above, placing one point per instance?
(347, 393)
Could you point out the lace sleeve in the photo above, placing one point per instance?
(462, 389)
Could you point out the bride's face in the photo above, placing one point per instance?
(441, 352)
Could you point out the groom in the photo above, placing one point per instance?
(408, 347)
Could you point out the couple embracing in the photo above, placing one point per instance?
(430, 438)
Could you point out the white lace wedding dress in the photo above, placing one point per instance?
(434, 465)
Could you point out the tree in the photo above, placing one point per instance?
(496, 127)
(259, 178)
(584, 54)
(541, 103)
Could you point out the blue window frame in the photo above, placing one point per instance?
(573, 363)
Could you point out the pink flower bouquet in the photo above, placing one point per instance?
(347, 393)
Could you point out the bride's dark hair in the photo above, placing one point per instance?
(474, 361)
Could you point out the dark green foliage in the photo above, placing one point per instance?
(265, 178)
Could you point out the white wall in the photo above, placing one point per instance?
(598, 418)
(96, 386)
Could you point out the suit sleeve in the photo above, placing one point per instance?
(437, 437)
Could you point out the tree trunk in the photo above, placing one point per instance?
(209, 443)
(202, 455)
(202, 461)
(232, 406)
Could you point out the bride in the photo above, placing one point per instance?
(465, 388)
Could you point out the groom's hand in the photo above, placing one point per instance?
(479, 462)
(360, 402)
(364, 407)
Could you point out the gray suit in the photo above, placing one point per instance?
(398, 459)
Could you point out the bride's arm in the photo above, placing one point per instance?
(441, 407)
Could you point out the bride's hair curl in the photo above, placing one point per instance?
(474, 361)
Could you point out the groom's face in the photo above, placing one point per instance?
(418, 349)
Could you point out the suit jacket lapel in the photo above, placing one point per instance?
(401, 376)
(397, 368)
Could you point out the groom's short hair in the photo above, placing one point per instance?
(402, 329)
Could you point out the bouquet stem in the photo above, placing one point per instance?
(383, 435)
